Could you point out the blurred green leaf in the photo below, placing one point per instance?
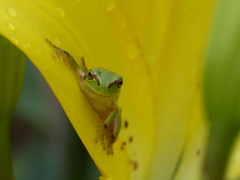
(12, 66)
(222, 87)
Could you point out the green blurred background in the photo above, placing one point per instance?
(44, 143)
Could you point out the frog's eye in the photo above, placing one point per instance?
(89, 75)
(119, 83)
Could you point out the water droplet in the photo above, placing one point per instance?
(10, 25)
(152, 56)
(13, 40)
(57, 41)
(28, 44)
(11, 11)
(108, 4)
(60, 11)
(24, 45)
(132, 51)
(38, 50)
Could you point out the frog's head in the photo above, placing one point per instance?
(103, 82)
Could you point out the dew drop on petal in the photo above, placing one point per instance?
(28, 44)
(57, 41)
(12, 12)
(152, 56)
(60, 11)
(10, 25)
(38, 50)
(24, 45)
(132, 51)
(108, 4)
(13, 40)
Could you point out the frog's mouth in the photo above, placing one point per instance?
(99, 94)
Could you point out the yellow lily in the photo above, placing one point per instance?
(157, 46)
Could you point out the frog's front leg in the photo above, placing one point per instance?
(107, 132)
(112, 127)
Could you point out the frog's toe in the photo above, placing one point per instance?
(109, 150)
(104, 146)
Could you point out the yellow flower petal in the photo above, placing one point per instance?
(193, 152)
(85, 29)
(177, 38)
(157, 47)
(233, 170)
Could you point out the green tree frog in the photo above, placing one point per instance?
(101, 88)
